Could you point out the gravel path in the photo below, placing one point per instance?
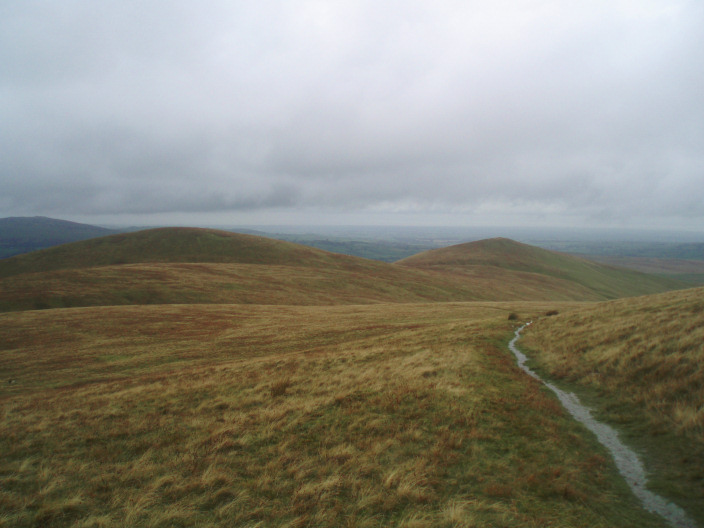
(626, 460)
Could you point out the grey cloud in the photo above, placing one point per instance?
(538, 108)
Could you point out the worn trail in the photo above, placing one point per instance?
(626, 460)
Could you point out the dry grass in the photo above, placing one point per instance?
(645, 356)
(184, 283)
(213, 283)
(385, 415)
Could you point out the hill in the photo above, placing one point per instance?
(518, 261)
(190, 265)
(643, 358)
(24, 234)
(171, 245)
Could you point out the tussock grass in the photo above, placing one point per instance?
(392, 415)
(644, 357)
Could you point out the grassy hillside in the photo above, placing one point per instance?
(173, 245)
(598, 280)
(385, 415)
(643, 358)
(188, 265)
(164, 283)
(24, 234)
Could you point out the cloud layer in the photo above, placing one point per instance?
(550, 111)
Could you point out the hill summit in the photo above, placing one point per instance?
(171, 245)
(193, 265)
(206, 266)
(605, 282)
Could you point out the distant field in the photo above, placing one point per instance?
(628, 248)
(384, 415)
(382, 250)
(641, 360)
(684, 270)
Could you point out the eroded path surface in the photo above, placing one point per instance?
(626, 460)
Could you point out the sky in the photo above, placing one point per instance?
(509, 112)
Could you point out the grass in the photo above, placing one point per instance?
(187, 283)
(640, 361)
(377, 415)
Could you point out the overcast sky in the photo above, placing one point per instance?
(402, 112)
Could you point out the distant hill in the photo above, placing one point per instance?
(193, 265)
(24, 234)
(172, 245)
(605, 282)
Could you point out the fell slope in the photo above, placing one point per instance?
(185, 265)
(557, 271)
(225, 415)
(172, 245)
(644, 357)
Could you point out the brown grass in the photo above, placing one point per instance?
(183, 283)
(391, 415)
(138, 284)
(649, 346)
(644, 356)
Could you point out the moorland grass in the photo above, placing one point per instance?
(640, 362)
(188, 283)
(381, 415)
(172, 244)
